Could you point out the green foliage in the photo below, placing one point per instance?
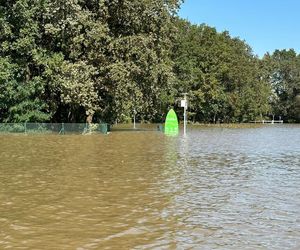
(140, 71)
(221, 75)
(283, 70)
(85, 58)
(66, 60)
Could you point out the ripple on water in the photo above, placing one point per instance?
(215, 189)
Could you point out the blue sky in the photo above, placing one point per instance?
(265, 25)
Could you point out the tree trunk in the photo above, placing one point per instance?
(89, 119)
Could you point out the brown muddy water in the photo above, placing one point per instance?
(217, 188)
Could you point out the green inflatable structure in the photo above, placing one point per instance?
(171, 124)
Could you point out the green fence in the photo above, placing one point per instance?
(54, 128)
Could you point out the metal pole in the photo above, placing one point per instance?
(184, 115)
(134, 118)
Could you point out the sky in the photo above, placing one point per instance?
(265, 25)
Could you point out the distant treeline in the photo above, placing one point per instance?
(72, 60)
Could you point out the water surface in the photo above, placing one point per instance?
(217, 188)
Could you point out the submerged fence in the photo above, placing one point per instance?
(54, 128)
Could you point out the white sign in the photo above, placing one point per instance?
(183, 103)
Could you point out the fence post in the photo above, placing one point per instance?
(25, 127)
(103, 127)
(62, 130)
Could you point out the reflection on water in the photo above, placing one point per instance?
(215, 188)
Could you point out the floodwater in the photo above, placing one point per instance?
(217, 188)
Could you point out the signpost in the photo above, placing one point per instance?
(171, 124)
(134, 113)
(184, 106)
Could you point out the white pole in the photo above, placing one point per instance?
(184, 115)
(134, 118)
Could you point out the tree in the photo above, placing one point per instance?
(79, 60)
(220, 73)
(95, 57)
(22, 88)
(284, 77)
(140, 72)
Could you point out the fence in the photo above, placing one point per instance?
(54, 128)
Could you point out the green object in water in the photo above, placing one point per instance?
(171, 125)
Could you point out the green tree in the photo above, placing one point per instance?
(87, 58)
(284, 77)
(22, 88)
(220, 73)
(140, 73)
